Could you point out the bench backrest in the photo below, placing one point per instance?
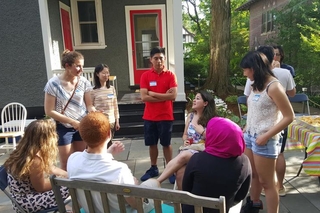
(175, 197)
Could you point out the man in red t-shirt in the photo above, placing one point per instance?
(158, 88)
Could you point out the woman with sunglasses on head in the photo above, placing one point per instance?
(67, 100)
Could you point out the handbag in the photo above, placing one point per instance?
(75, 88)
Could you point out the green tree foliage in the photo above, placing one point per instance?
(299, 30)
(196, 18)
(239, 37)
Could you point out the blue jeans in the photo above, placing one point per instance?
(270, 150)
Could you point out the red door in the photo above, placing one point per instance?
(66, 28)
(146, 33)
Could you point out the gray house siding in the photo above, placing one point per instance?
(22, 61)
(115, 55)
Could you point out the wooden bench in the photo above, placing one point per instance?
(159, 195)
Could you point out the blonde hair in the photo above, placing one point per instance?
(40, 139)
(94, 129)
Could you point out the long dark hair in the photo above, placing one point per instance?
(261, 68)
(209, 111)
(281, 52)
(96, 79)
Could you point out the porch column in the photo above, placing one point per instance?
(46, 35)
(175, 44)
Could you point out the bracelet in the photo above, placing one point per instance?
(203, 132)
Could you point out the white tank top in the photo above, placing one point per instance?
(263, 113)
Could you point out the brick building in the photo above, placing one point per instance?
(262, 18)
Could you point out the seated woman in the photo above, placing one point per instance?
(203, 109)
(30, 165)
(221, 169)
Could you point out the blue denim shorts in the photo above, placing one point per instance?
(67, 135)
(155, 130)
(270, 150)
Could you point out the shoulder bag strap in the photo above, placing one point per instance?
(75, 88)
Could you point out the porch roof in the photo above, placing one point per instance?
(246, 6)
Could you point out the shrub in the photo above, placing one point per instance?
(233, 99)
(191, 71)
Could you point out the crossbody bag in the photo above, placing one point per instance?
(75, 88)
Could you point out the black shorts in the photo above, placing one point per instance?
(67, 135)
(155, 130)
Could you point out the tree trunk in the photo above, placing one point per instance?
(220, 43)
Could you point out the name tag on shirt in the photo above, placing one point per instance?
(153, 83)
(256, 97)
(110, 96)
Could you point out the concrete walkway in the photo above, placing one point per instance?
(303, 192)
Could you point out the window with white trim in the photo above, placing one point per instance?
(87, 24)
(268, 19)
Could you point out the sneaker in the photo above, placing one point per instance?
(172, 179)
(282, 192)
(250, 208)
(150, 173)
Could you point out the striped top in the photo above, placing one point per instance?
(105, 100)
(76, 108)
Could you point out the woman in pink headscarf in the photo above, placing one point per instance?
(221, 169)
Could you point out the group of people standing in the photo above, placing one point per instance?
(231, 161)
(269, 84)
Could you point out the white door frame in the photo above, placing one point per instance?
(66, 8)
(129, 41)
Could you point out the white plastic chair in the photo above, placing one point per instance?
(13, 120)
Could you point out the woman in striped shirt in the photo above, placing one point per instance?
(104, 97)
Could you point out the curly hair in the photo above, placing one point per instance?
(40, 139)
(210, 110)
(69, 57)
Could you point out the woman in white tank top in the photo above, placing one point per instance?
(269, 112)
